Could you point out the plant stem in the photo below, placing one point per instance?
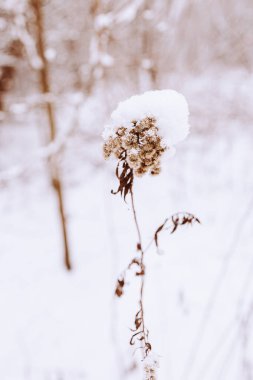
(136, 222)
(139, 246)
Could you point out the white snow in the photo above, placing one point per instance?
(169, 108)
(106, 60)
(50, 54)
(67, 325)
(109, 131)
(103, 20)
(128, 13)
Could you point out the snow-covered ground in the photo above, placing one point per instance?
(57, 325)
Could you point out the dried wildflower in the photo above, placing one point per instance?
(143, 128)
(141, 144)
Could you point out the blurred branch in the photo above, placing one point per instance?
(20, 30)
(45, 89)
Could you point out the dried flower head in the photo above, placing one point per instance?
(141, 144)
(144, 127)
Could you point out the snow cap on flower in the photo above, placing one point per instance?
(168, 107)
(143, 128)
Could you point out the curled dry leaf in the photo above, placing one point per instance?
(159, 229)
(140, 333)
(141, 273)
(119, 287)
(125, 176)
(148, 348)
(178, 219)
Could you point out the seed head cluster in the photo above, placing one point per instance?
(151, 364)
(142, 145)
(150, 373)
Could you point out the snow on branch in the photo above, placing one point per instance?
(128, 13)
(20, 31)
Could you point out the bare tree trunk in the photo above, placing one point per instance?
(45, 89)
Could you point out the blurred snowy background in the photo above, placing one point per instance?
(63, 68)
